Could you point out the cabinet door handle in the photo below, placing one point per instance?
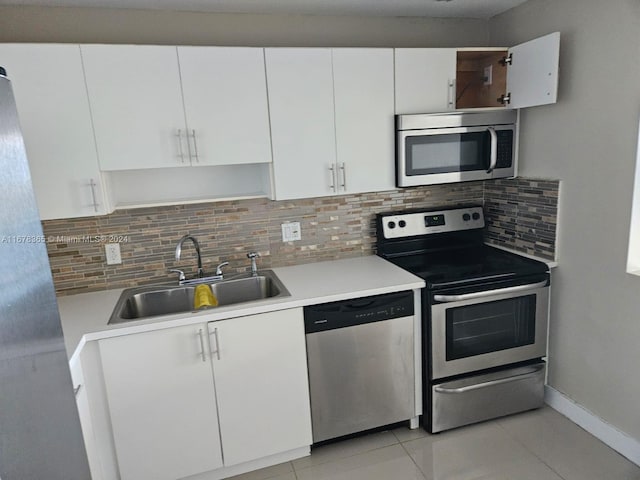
(332, 172)
(93, 186)
(217, 350)
(343, 169)
(180, 151)
(451, 93)
(202, 351)
(195, 146)
(77, 390)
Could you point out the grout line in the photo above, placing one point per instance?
(523, 445)
(412, 459)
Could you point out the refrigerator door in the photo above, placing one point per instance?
(40, 434)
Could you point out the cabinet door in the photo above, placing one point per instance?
(425, 79)
(262, 384)
(300, 86)
(225, 98)
(50, 92)
(136, 104)
(532, 76)
(363, 85)
(162, 403)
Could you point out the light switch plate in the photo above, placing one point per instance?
(291, 232)
(112, 252)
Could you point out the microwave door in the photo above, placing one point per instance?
(433, 156)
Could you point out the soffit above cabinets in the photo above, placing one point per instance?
(385, 8)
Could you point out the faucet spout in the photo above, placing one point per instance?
(195, 244)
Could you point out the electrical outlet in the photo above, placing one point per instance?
(488, 75)
(112, 252)
(291, 232)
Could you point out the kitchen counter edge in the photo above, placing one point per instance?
(84, 316)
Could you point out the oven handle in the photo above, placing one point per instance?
(494, 149)
(514, 378)
(488, 293)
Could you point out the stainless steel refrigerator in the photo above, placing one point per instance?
(40, 436)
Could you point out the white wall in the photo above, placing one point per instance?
(588, 140)
(99, 25)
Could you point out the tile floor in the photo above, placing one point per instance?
(537, 445)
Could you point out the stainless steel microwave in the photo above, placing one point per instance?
(455, 147)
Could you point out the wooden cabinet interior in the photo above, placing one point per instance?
(473, 88)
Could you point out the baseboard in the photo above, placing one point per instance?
(621, 442)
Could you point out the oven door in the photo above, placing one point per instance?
(445, 155)
(474, 329)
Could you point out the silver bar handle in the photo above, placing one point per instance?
(180, 151)
(343, 169)
(93, 186)
(450, 93)
(493, 160)
(491, 383)
(488, 293)
(202, 351)
(195, 146)
(332, 171)
(217, 350)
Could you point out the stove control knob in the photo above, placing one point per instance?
(466, 217)
(391, 224)
(476, 216)
(402, 223)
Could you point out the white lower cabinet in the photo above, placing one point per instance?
(193, 399)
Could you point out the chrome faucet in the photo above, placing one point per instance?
(197, 245)
(254, 268)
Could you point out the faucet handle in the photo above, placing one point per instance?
(219, 268)
(253, 255)
(181, 277)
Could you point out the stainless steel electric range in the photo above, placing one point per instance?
(485, 315)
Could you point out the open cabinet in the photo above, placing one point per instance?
(436, 80)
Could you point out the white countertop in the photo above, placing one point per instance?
(84, 317)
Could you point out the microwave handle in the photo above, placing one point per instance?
(488, 293)
(493, 155)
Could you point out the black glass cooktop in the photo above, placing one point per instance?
(469, 265)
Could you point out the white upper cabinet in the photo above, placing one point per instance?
(50, 92)
(225, 99)
(303, 133)
(431, 80)
(136, 104)
(363, 90)
(425, 79)
(157, 106)
(331, 120)
(532, 75)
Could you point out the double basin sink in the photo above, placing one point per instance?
(151, 301)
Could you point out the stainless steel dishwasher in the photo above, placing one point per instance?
(361, 363)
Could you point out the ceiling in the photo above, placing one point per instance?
(387, 8)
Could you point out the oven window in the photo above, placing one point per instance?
(489, 327)
(457, 152)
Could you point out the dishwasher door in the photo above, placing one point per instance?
(361, 377)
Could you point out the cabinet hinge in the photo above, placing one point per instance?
(504, 99)
(508, 60)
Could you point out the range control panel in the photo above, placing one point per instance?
(428, 222)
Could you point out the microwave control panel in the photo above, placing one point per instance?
(427, 222)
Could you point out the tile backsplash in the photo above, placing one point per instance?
(520, 214)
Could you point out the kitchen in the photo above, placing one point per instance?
(585, 352)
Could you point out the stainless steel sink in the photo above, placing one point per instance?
(143, 302)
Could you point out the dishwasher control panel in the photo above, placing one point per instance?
(347, 313)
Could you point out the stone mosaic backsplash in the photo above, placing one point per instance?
(521, 214)
(332, 228)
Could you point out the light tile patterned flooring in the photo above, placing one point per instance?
(536, 445)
